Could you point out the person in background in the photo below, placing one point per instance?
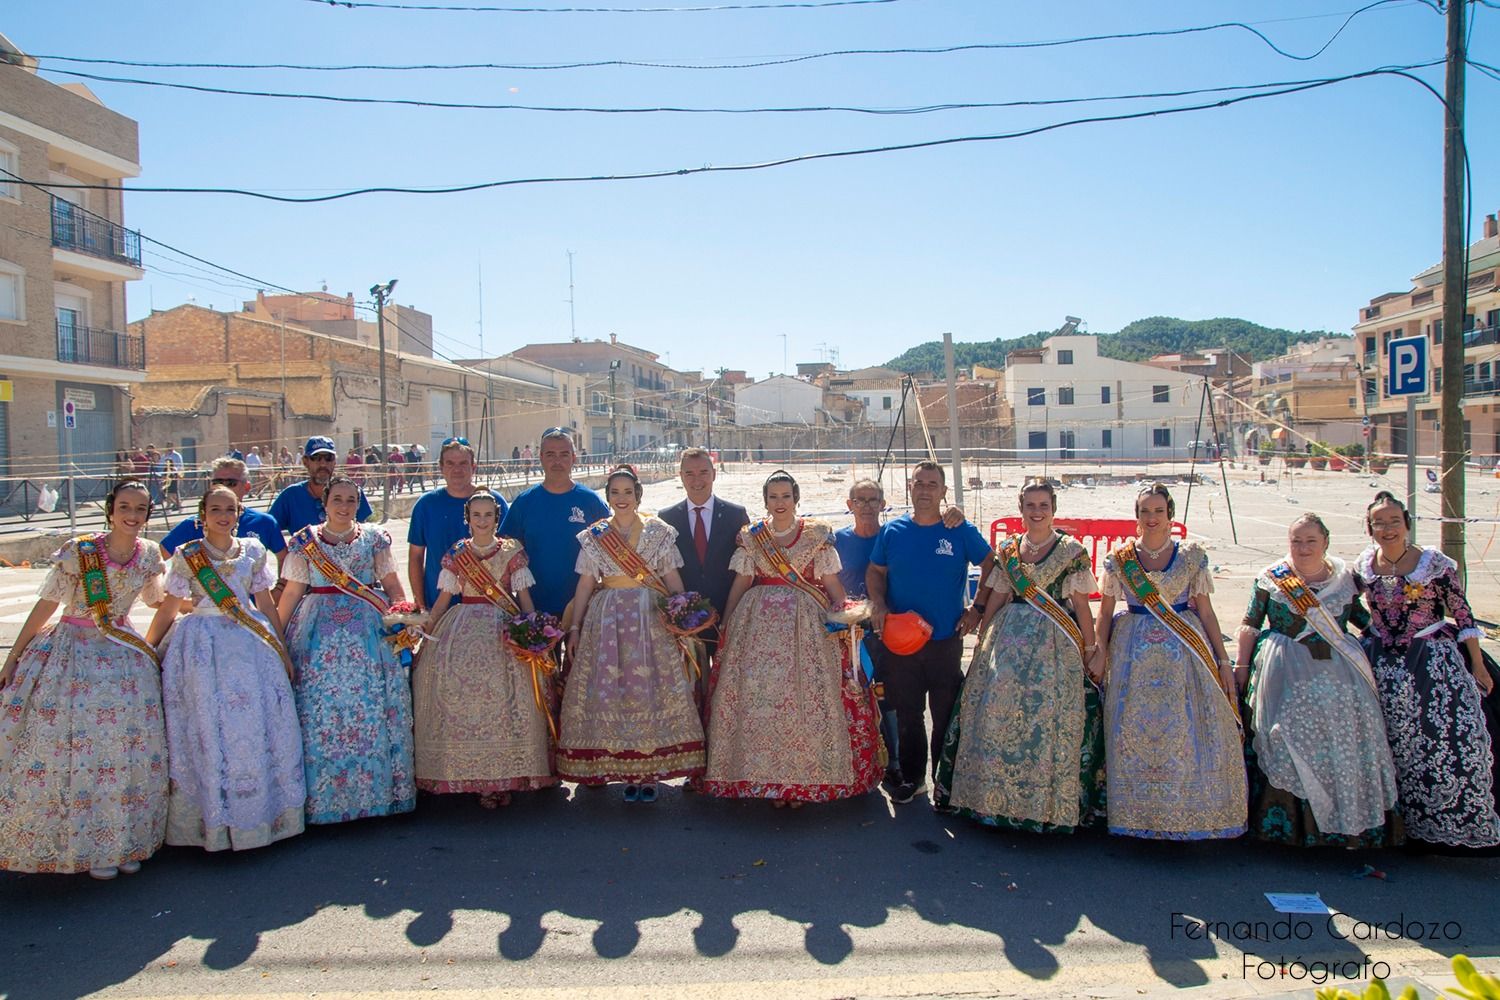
(546, 519)
(437, 520)
(231, 472)
(395, 462)
(155, 466)
(920, 564)
(301, 504)
(253, 465)
(354, 466)
(416, 467)
(171, 480)
(172, 453)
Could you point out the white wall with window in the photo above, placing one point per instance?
(12, 291)
(10, 168)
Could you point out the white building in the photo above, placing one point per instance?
(780, 399)
(878, 389)
(1069, 402)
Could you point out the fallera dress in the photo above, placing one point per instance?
(83, 748)
(628, 708)
(1174, 765)
(479, 727)
(1319, 764)
(789, 717)
(1025, 750)
(1444, 760)
(233, 739)
(353, 694)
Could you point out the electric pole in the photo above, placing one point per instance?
(1453, 455)
(382, 293)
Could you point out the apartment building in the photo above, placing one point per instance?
(1418, 311)
(66, 259)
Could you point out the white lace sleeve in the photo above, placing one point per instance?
(385, 562)
(522, 579)
(151, 568)
(826, 561)
(659, 547)
(588, 563)
(179, 578)
(296, 569)
(742, 562)
(1081, 582)
(262, 572)
(1109, 581)
(999, 580)
(1203, 579)
(448, 582)
(62, 579)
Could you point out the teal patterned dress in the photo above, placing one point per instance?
(1025, 749)
(1319, 765)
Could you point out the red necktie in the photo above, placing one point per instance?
(700, 536)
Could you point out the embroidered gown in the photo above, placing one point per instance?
(628, 707)
(789, 717)
(1319, 763)
(479, 728)
(1025, 749)
(1174, 766)
(353, 695)
(1444, 760)
(234, 744)
(83, 749)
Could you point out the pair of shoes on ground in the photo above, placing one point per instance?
(105, 874)
(905, 792)
(640, 793)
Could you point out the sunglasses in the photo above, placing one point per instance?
(225, 482)
(566, 432)
(455, 440)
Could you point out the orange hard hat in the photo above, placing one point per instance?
(905, 632)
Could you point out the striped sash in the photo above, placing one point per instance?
(307, 543)
(1306, 604)
(760, 537)
(1010, 558)
(96, 594)
(197, 558)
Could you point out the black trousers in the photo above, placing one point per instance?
(928, 680)
(888, 731)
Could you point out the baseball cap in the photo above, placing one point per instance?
(316, 445)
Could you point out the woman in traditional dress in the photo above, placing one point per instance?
(1430, 695)
(1025, 749)
(1319, 765)
(353, 695)
(1173, 762)
(483, 721)
(83, 752)
(790, 721)
(628, 708)
(232, 735)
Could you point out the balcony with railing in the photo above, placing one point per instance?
(1481, 336)
(81, 231)
(82, 345)
(1482, 387)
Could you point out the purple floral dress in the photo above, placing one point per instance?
(1431, 702)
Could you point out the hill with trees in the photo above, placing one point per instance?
(1138, 341)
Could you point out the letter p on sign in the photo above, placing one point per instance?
(1407, 361)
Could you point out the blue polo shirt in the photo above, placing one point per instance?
(854, 553)
(437, 521)
(927, 568)
(253, 524)
(547, 526)
(295, 508)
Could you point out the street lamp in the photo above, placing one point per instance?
(614, 442)
(381, 294)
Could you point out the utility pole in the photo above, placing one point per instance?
(382, 293)
(572, 316)
(1455, 287)
(614, 441)
(955, 457)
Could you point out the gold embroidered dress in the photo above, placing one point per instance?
(83, 750)
(1174, 765)
(789, 719)
(628, 710)
(478, 725)
(1025, 749)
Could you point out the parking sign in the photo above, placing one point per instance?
(70, 414)
(1406, 362)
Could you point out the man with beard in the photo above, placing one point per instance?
(301, 504)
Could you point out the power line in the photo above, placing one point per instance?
(751, 64)
(895, 111)
(1401, 71)
(805, 5)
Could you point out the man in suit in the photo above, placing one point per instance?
(707, 527)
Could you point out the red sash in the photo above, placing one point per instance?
(307, 543)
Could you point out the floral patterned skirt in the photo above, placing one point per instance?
(83, 755)
(1444, 760)
(789, 717)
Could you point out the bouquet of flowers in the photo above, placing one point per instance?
(852, 613)
(535, 633)
(687, 613)
(403, 629)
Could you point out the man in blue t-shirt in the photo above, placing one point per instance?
(231, 472)
(437, 519)
(301, 504)
(920, 564)
(546, 519)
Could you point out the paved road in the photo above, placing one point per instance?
(578, 893)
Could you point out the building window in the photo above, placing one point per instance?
(10, 167)
(1036, 440)
(1107, 438)
(1160, 394)
(12, 291)
(1065, 396)
(1370, 344)
(885, 402)
(1161, 437)
(1104, 394)
(1036, 396)
(1065, 357)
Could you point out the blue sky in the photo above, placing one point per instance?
(1291, 211)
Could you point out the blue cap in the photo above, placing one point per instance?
(319, 444)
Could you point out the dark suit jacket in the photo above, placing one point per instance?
(710, 577)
